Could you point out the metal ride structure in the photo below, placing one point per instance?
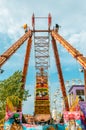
(41, 49)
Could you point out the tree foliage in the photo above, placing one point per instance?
(12, 87)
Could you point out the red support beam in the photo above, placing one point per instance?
(75, 53)
(26, 61)
(58, 65)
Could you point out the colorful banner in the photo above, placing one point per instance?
(72, 120)
(8, 126)
(71, 115)
(8, 123)
(75, 106)
(83, 107)
(73, 125)
(83, 114)
(10, 115)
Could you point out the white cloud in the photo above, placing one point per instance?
(78, 40)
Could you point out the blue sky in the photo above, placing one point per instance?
(69, 14)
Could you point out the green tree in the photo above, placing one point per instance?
(12, 87)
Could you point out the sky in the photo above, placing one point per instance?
(69, 14)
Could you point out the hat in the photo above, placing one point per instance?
(16, 115)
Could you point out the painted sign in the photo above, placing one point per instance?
(83, 107)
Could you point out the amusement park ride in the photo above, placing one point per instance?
(41, 49)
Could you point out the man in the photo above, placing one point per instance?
(16, 125)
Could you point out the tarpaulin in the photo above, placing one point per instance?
(32, 127)
(50, 127)
(8, 125)
(60, 127)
